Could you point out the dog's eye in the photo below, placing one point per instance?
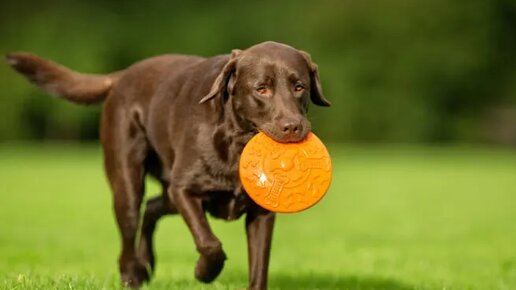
(299, 88)
(264, 91)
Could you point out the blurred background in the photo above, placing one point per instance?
(396, 71)
(422, 134)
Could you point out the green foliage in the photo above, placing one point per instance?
(427, 70)
(394, 218)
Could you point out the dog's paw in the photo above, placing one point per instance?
(134, 274)
(146, 255)
(209, 266)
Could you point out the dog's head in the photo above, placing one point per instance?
(269, 86)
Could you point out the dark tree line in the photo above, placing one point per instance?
(395, 71)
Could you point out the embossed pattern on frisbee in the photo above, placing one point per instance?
(285, 177)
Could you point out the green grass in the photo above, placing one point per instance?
(395, 218)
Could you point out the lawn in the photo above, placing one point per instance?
(395, 218)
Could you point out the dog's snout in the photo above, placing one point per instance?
(291, 127)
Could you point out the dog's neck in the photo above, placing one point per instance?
(229, 136)
(236, 128)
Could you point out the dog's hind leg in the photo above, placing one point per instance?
(125, 149)
(156, 208)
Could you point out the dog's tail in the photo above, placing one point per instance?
(63, 82)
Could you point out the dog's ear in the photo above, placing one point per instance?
(316, 93)
(220, 85)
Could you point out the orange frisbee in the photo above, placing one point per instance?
(285, 177)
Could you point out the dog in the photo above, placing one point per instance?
(185, 120)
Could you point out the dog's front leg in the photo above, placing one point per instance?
(212, 257)
(259, 225)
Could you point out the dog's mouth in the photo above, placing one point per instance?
(272, 130)
(285, 138)
(254, 127)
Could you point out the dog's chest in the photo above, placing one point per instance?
(227, 205)
(219, 158)
(223, 196)
(218, 176)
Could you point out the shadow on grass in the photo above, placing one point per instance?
(323, 281)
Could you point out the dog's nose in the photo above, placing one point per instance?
(290, 127)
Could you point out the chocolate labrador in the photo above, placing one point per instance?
(185, 120)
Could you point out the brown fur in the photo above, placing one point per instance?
(185, 120)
